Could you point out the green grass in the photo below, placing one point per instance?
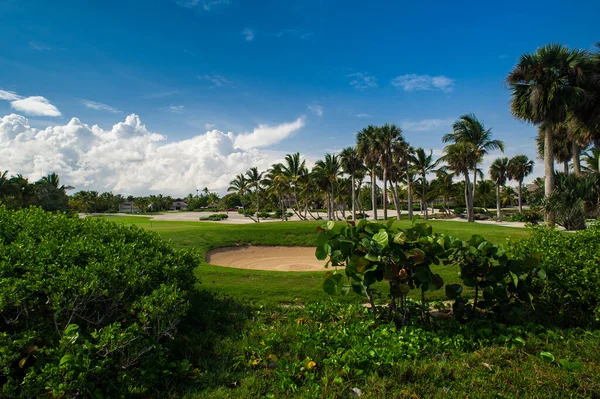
(288, 287)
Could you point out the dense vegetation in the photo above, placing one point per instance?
(89, 308)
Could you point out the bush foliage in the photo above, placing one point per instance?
(570, 296)
(89, 308)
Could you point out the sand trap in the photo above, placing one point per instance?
(285, 259)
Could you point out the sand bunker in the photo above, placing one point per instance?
(285, 259)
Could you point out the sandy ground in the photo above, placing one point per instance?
(284, 259)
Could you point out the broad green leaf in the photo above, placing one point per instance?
(68, 358)
(541, 273)
(330, 225)
(453, 291)
(519, 341)
(22, 362)
(381, 238)
(423, 274)
(330, 286)
(323, 251)
(547, 355)
(361, 264)
(515, 278)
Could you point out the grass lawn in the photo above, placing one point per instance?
(288, 287)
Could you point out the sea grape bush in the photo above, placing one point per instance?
(89, 308)
(372, 252)
(505, 284)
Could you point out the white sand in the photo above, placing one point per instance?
(285, 259)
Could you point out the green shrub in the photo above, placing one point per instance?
(570, 296)
(217, 217)
(460, 210)
(526, 217)
(90, 308)
(359, 215)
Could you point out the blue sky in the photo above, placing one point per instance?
(314, 71)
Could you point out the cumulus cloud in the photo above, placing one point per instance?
(130, 159)
(362, 80)
(248, 34)
(35, 105)
(413, 82)
(265, 135)
(317, 109)
(427, 124)
(99, 106)
(9, 95)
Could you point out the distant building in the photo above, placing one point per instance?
(128, 207)
(178, 205)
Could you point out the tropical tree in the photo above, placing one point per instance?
(384, 139)
(403, 156)
(445, 186)
(351, 164)
(591, 159)
(562, 145)
(461, 158)
(499, 175)
(469, 129)
(254, 179)
(519, 167)
(295, 171)
(484, 190)
(424, 164)
(326, 172)
(545, 87)
(368, 150)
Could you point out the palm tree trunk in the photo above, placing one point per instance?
(521, 196)
(549, 172)
(373, 193)
(498, 211)
(353, 200)
(576, 159)
(409, 195)
(566, 167)
(469, 199)
(384, 198)
(396, 200)
(423, 198)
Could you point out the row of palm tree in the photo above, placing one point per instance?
(47, 192)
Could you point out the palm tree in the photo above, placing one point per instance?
(367, 149)
(562, 145)
(545, 87)
(424, 164)
(255, 179)
(461, 158)
(327, 171)
(403, 156)
(445, 185)
(386, 136)
(520, 167)
(351, 164)
(294, 169)
(278, 185)
(499, 174)
(592, 161)
(469, 129)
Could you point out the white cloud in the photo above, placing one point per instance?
(265, 135)
(363, 116)
(427, 125)
(204, 5)
(9, 95)
(248, 34)
(176, 109)
(215, 80)
(209, 126)
(317, 109)
(35, 105)
(130, 159)
(99, 106)
(362, 80)
(39, 46)
(413, 82)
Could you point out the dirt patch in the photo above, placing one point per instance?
(284, 259)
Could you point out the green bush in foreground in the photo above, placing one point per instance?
(570, 295)
(89, 308)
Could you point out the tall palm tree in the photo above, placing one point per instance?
(445, 185)
(461, 158)
(294, 169)
(562, 145)
(519, 167)
(591, 160)
(424, 164)
(545, 87)
(469, 129)
(499, 175)
(351, 164)
(328, 171)
(278, 185)
(385, 137)
(255, 178)
(403, 156)
(367, 149)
